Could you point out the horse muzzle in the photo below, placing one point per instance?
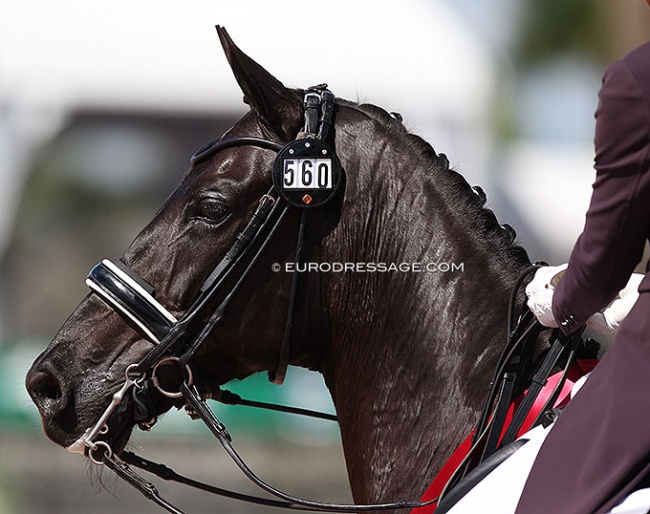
(55, 402)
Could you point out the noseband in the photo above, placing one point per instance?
(306, 175)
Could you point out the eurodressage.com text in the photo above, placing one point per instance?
(369, 267)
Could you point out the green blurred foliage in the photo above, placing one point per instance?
(551, 27)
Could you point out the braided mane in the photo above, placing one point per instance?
(470, 199)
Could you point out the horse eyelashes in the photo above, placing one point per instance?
(212, 210)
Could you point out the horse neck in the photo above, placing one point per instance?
(411, 352)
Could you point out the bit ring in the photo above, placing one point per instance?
(107, 450)
(156, 382)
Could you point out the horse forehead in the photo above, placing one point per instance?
(241, 163)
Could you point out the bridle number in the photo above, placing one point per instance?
(308, 173)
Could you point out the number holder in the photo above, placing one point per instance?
(307, 173)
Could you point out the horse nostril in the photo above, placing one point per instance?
(44, 388)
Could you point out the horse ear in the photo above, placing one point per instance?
(278, 107)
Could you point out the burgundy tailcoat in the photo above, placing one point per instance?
(599, 449)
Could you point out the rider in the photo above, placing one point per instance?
(599, 449)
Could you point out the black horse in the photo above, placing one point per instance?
(406, 330)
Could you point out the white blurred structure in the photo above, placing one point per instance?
(421, 58)
(416, 54)
(415, 57)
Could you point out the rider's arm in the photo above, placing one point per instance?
(617, 221)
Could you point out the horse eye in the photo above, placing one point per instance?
(212, 210)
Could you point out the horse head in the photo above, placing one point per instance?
(73, 380)
(397, 345)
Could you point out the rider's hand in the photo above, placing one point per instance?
(610, 319)
(540, 293)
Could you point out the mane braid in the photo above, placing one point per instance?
(463, 192)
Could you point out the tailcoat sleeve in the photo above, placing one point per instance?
(617, 221)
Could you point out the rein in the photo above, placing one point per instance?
(507, 410)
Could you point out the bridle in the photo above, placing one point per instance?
(306, 175)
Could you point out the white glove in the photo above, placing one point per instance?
(613, 315)
(540, 294)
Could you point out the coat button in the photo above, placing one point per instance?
(568, 322)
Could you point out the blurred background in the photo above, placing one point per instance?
(102, 103)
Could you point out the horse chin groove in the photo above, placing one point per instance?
(57, 436)
(120, 441)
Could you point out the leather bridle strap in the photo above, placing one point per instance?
(318, 115)
(218, 145)
(167, 473)
(270, 212)
(121, 468)
(219, 312)
(218, 429)
(278, 376)
(149, 490)
(561, 347)
(229, 398)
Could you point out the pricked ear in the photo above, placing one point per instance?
(278, 107)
